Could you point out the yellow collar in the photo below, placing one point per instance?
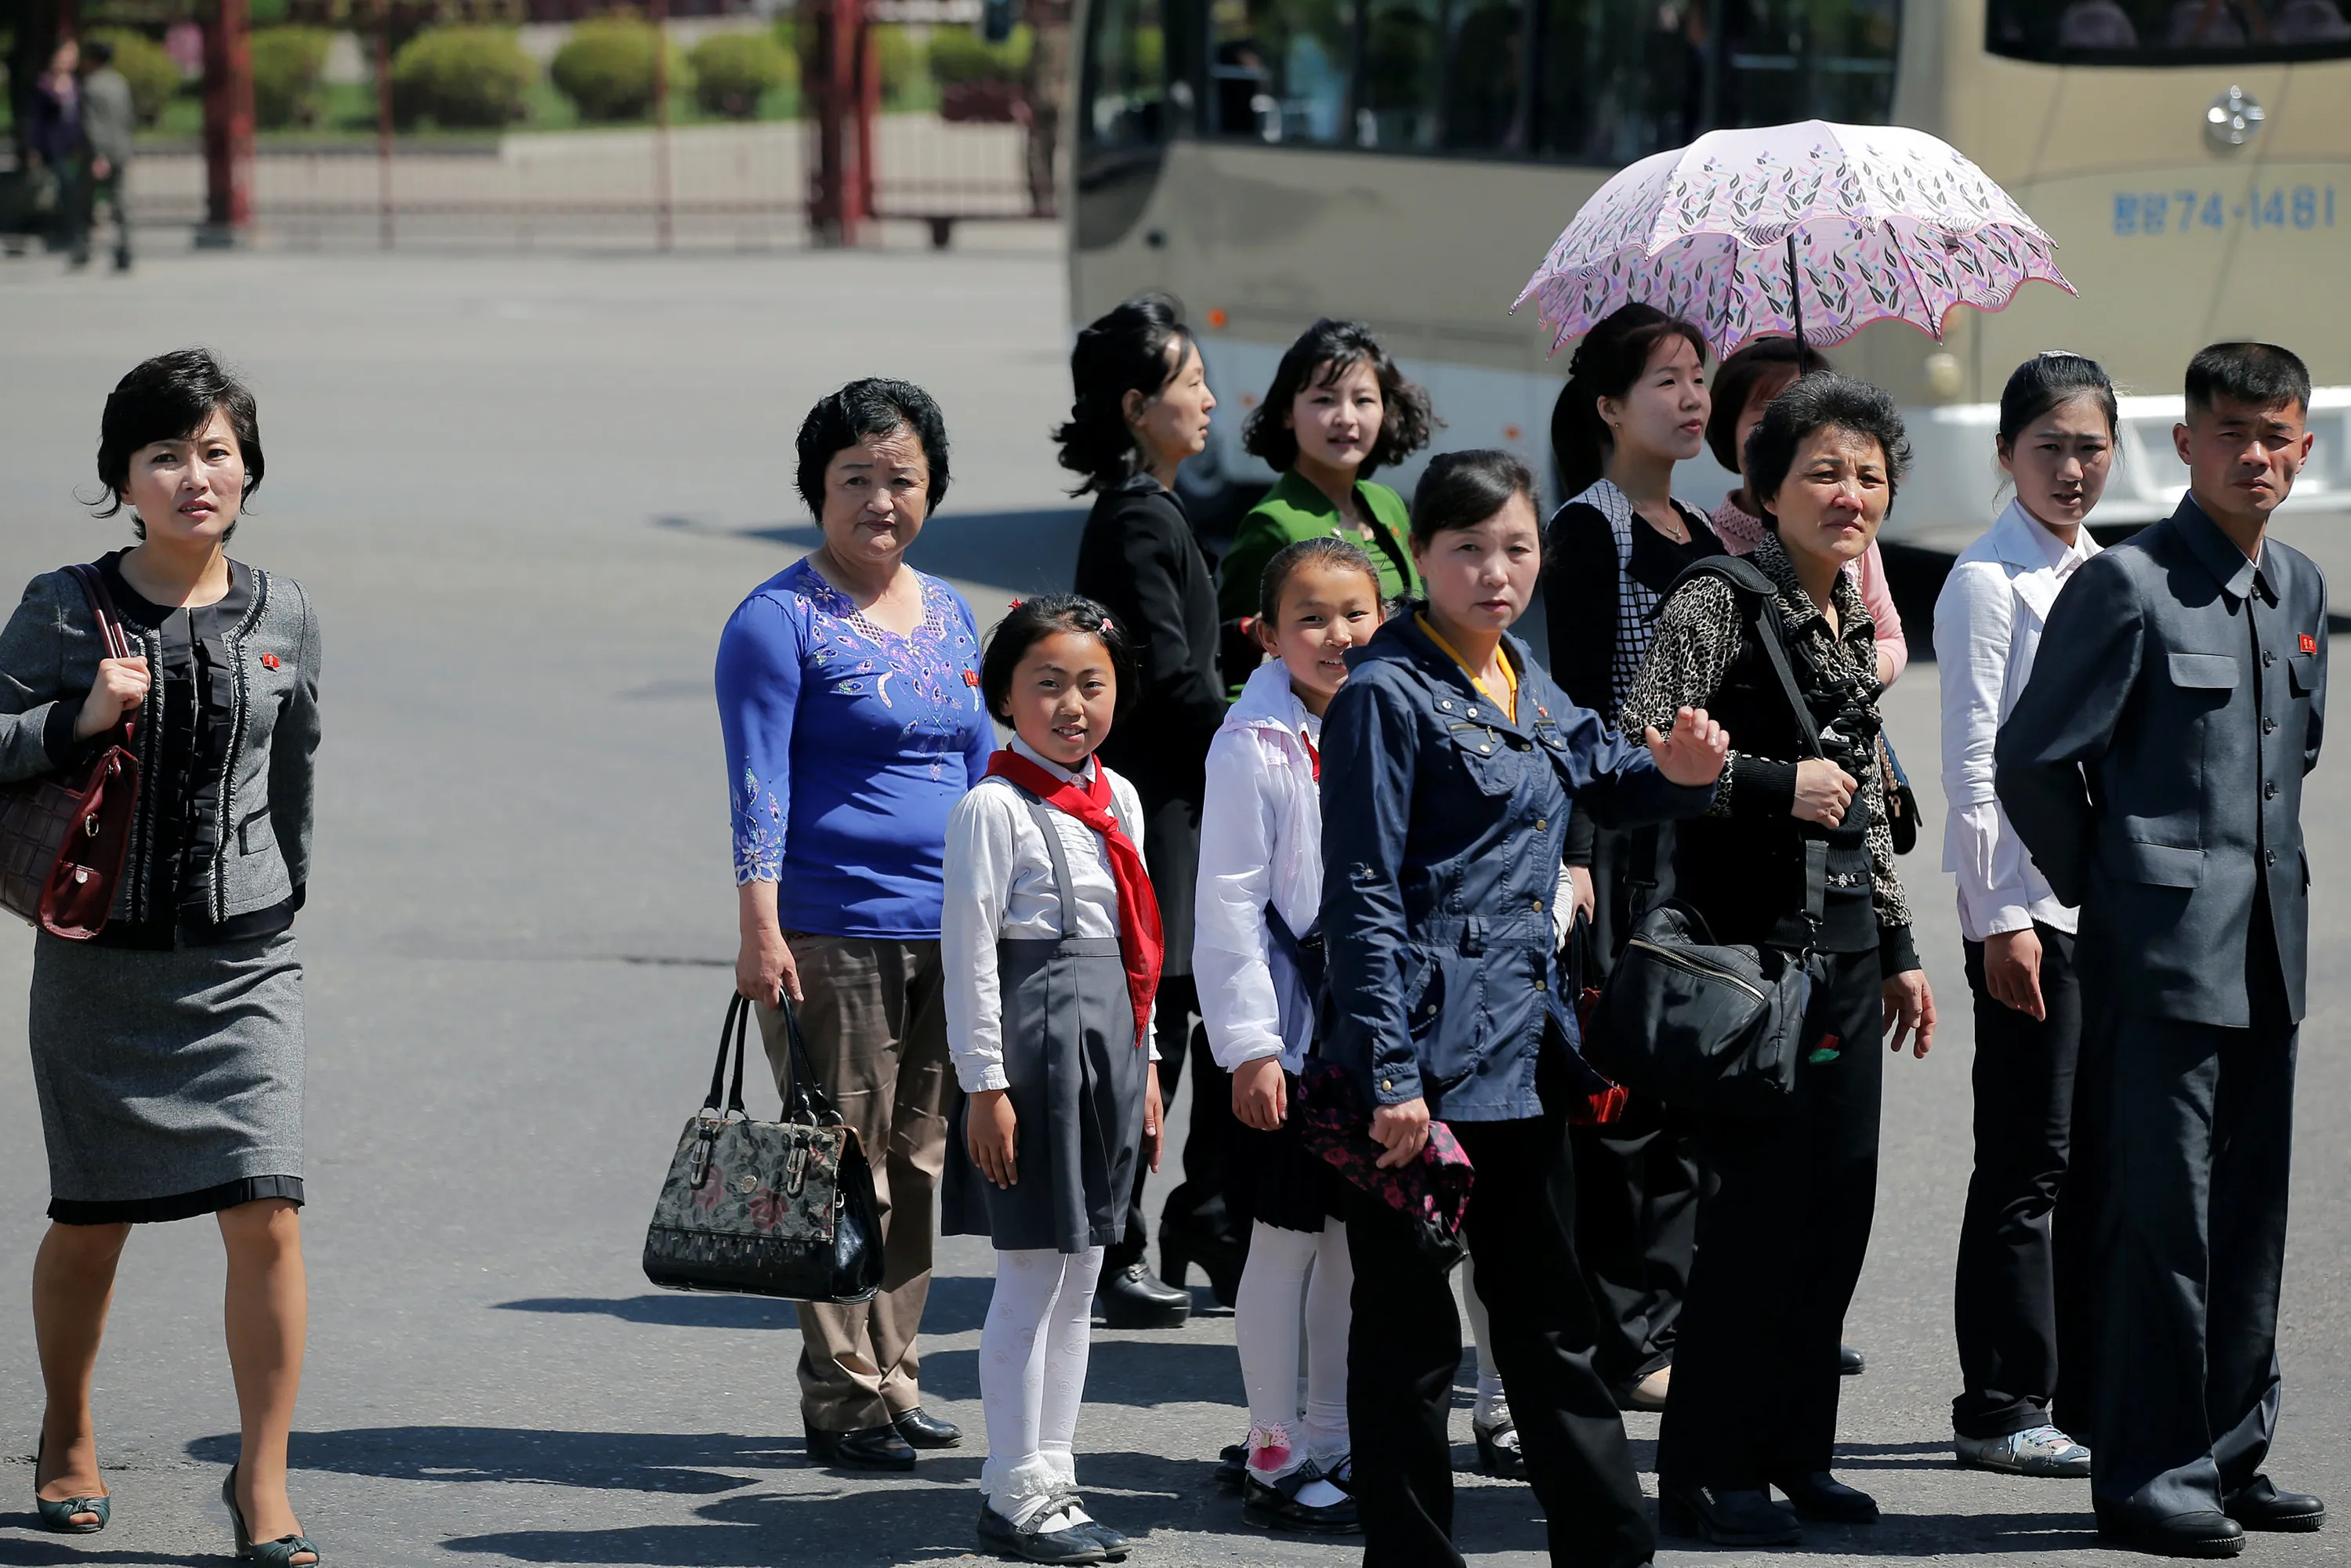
(1510, 703)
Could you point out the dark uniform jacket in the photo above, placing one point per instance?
(2154, 764)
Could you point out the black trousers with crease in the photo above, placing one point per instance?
(1197, 1203)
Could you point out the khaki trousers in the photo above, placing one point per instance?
(876, 1023)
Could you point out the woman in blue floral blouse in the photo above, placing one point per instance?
(849, 693)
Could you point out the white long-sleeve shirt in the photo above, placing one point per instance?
(1260, 844)
(999, 882)
(1988, 625)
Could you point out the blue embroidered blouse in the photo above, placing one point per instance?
(847, 747)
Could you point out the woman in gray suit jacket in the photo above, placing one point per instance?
(167, 1052)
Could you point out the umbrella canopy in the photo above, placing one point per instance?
(1813, 229)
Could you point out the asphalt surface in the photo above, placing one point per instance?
(525, 491)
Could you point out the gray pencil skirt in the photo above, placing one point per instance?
(170, 1082)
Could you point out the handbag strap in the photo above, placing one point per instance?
(110, 635)
(805, 1094)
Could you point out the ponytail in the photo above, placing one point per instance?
(1607, 363)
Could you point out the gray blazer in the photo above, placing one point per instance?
(2191, 732)
(49, 652)
(109, 118)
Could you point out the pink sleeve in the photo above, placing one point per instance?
(1879, 599)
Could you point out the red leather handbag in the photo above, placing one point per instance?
(63, 835)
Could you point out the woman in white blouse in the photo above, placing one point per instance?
(2018, 1305)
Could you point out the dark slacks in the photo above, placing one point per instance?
(1196, 1206)
(1405, 1347)
(1780, 1238)
(1636, 1202)
(2191, 1135)
(2018, 1304)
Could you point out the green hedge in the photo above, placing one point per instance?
(286, 65)
(959, 55)
(903, 65)
(153, 75)
(732, 71)
(461, 77)
(606, 68)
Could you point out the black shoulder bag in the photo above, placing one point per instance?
(1711, 1026)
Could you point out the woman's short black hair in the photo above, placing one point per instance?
(2262, 375)
(2046, 380)
(1125, 350)
(1323, 352)
(1609, 362)
(1735, 380)
(1032, 621)
(169, 398)
(1462, 490)
(1812, 403)
(1333, 554)
(874, 406)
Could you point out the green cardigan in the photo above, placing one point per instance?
(1294, 510)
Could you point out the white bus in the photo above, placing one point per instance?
(1408, 162)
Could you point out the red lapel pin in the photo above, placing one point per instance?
(2309, 643)
(269, 661)
(971, 677)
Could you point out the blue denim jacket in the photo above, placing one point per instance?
(1444, 823)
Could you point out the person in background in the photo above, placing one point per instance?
(1141, 408)
(2017, 1306)
(2153, 767)
(1256, 950)
(848, 702)
(1449, 760)
(1337, 413)
(1784, 1227)
(1635, 404)
(109, 122)
(55, 140)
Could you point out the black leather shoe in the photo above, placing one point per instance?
(1822, 1496)
(1134, 1298)
(1727, 1518)
(1275, 1505)
(2201, 1535)
(923, 1431)
(1850, 1363)
(1220, 1257)
(1232, 1465)
(2261, 1506)
(1114, 1545)
(1030, 1544)
(870, 1448)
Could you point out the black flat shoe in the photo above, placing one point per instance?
(1114, 1545)
(1497, 1450)
(1136, 1297)
(2261, 1506)
(1850, 1363)
(923, 1431)
(870, 1448)
(1822, 1496)
(1221, 1258)
(2201, 1535)
(1031, 1544)
(1232, 1465)
(1725, 1517)
(1274, 1505)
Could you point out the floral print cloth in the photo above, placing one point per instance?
(847, 747)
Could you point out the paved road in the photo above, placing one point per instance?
(526, 492)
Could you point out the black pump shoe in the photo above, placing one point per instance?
(1849, 1362)
(1221, 1258)
(1726, 1517)
(870, 1449)
(1822, 1496)
(2204, 1533)
(1136, 1297)
(923, 1431)
(2261, 1506)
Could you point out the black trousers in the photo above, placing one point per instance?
(2190, 1135)
(1780, 1238)
(1196, 1206)
(1405, 1347)
(2018, 1304)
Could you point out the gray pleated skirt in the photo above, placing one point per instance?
(170, 1082)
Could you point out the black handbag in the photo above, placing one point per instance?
(768, 1208)
(1709, 1026)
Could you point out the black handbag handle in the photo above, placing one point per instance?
(111, 634)
(805, 1096)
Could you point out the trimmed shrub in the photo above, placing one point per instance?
(732, 71)
(153, 75)
(286, 65)
(606, 68)
(460, 77)
(902, 59)
(959, 55)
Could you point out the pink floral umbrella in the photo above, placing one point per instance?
(1813, 229)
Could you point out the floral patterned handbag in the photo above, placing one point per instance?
(768, 1208)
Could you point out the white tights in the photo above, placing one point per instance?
(1032, 1373)
(1490, 1402)
(1264, 1330)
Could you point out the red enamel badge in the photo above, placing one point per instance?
(269, 661)
(2309, 643)
(971, 677)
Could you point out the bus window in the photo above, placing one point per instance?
(1804, 59)
(1622, 79)
(2167, 32)
(1444, 76)
(1126, 78)
(1280, 70)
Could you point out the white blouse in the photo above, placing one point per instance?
(999, 882)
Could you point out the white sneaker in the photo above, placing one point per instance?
(2038, 1451)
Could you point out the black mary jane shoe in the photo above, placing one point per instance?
(1232, 1467)
(2204, 1533)
(1726, 1517)
(1114, 1544)
(1497, 1450)
(1849, 1362)
(1136, 1297)
(921, 1431)
(868, 1449)
(1275, 1505)
(2261, 1506)
(1030, 1544)
(1820, 1496)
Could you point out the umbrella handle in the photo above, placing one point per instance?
(1795, 293)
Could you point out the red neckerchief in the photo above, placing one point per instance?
(1141, 947)
(1313, 753)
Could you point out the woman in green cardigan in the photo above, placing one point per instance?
(1338, 411)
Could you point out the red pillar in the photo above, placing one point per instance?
(662, 194)
(228, 124)
(833, 76)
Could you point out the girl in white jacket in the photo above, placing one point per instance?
(1258, 957)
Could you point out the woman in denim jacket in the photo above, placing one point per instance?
(1450, 761)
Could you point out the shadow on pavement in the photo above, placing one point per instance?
(1143, 1373)
(958, 1304)
(694, 1463)
(1028, 549)
(57, 1555)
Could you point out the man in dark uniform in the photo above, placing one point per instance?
(2153, 767)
